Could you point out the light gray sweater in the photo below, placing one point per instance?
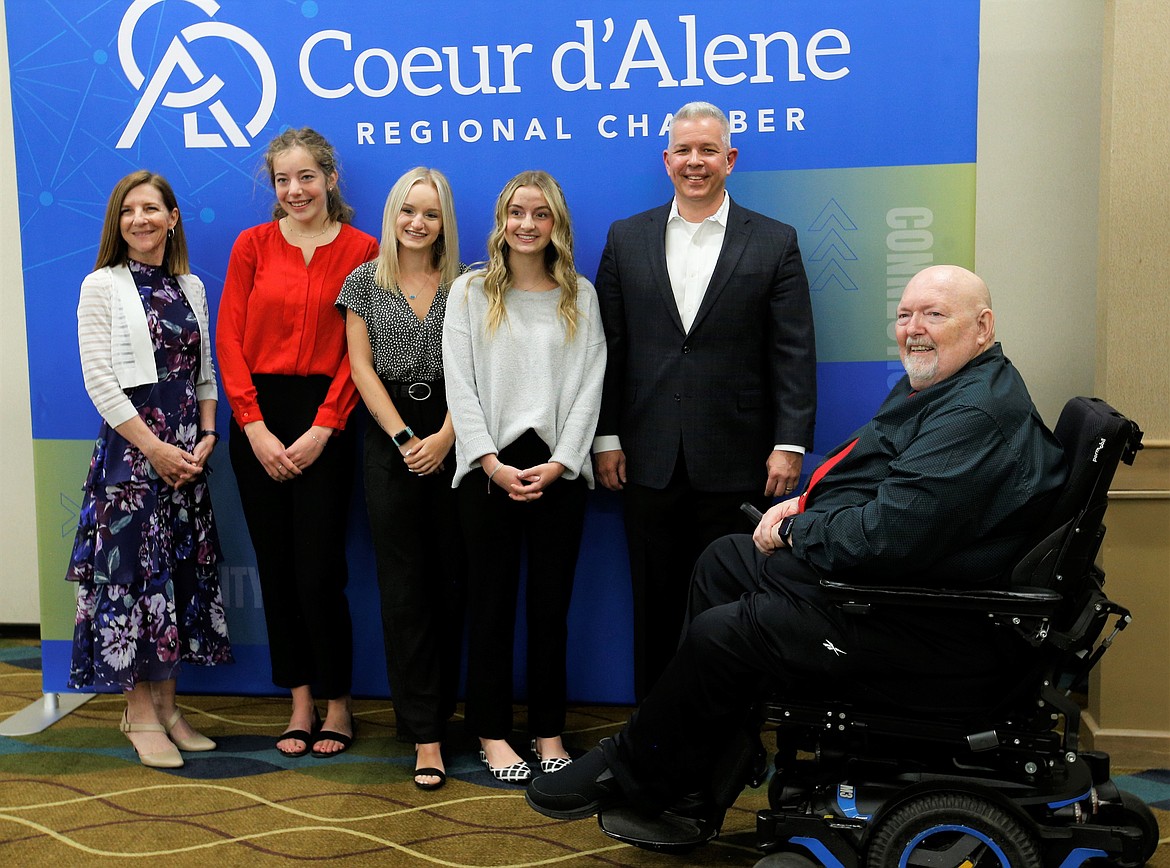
(524, 376)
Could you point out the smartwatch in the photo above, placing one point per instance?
(402, 437)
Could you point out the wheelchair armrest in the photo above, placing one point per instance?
(1020, 601)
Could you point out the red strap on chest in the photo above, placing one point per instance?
(819, 473)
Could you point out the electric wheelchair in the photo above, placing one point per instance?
(862, 784)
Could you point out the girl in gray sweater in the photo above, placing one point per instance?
(524, 359)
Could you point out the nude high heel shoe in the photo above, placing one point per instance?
(197, 742)
(168, 758)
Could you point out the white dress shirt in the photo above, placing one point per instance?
(692, 249)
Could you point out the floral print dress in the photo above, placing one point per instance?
(145, 556)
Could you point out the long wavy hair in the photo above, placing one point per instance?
(445, 250)
(113, 250)
(558, 255)
(323, 154)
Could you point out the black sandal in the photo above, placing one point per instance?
(330, 735)
(300, 735)
(437, 773)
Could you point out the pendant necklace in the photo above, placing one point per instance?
(328, 226)
(412, 295)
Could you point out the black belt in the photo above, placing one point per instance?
(419, 391)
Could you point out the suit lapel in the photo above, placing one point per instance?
(734, 243)
(656, 259)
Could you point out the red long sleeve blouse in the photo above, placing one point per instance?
(277, 316)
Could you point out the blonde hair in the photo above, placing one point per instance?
(558, 255)
(445, 250)
(323, 155)
(113, 250)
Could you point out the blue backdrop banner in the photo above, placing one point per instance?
(855, 122)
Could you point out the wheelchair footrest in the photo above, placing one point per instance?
(665, 832)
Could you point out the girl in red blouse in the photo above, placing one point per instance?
(282, 354)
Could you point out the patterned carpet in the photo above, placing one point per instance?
(76, 795)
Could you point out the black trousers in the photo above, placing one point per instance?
(760, 625)
(298, 533)
(419, 552)
(666, 531)
(496, 529)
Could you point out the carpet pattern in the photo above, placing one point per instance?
(76, 795)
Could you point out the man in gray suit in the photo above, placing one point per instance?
(710, 387)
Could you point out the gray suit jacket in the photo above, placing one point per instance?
(740, 381)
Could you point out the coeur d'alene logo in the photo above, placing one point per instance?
(177, 81)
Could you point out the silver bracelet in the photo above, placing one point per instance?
(499, 464)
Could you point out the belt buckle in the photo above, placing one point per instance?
(423, 391)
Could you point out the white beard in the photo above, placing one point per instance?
(921, 368)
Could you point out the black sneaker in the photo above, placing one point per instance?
(580, 790)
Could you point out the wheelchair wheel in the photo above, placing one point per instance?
(1133, 812)
(948, 830)
(785, 860)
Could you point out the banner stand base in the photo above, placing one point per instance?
(41, 715)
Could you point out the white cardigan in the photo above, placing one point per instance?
(116, 350)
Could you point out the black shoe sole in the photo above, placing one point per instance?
(594, 807)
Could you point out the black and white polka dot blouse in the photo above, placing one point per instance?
(406, 350)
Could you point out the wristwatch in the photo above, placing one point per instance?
(402, 437)
(784, 529)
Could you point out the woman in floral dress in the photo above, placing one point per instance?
(146, 552)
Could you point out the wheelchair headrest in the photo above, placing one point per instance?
(1095, 438)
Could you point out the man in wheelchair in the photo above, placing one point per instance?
(943, 488)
